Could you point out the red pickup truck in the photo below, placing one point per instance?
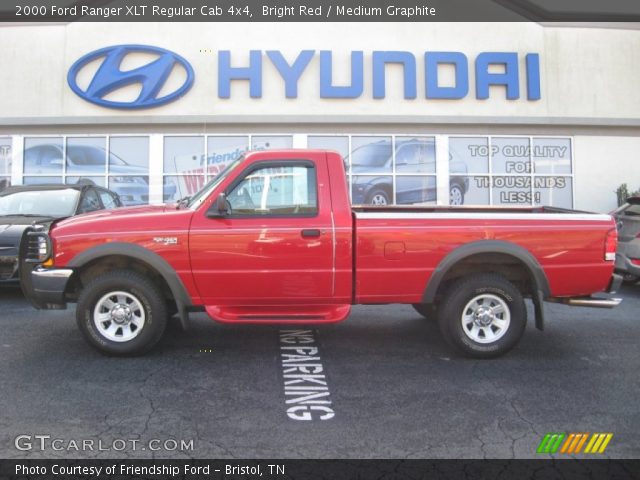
(273, 239)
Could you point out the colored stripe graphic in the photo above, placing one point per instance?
(598, 443)
(574, 443)
(584, 439)
(550, 443)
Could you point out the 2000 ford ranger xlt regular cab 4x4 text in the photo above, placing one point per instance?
(273, 239)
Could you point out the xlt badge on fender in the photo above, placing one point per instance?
(166, 240)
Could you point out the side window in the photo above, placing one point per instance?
(276, 190)
(50, 156)
(108, 200)
(408, 154)
(31, 157)
(632, 211)
(89, 202)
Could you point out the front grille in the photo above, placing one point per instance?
(8, 270)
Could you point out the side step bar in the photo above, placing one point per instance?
(588, 302)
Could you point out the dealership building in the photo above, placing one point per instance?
(423, 113)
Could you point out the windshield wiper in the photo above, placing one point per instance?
(183, 202)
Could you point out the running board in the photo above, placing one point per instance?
(279, 314)
(589, 302)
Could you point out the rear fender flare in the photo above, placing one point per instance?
(541, 284)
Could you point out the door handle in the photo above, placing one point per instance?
(310, 233)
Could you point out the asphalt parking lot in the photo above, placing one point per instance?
(396, 389)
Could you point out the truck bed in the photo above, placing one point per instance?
(398, 249)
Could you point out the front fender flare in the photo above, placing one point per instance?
(155, 261)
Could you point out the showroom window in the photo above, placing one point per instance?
(120, 163)
(386, 169)
(5, 162)
(510, 170)
(381, 169)
(191, 160)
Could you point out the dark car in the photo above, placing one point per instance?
(23, 205)
(414, 158)
(628, 254)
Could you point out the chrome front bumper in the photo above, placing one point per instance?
(48, 286)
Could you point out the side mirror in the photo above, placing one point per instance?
(219, 208)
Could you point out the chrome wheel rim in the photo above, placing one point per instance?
(379, 199)
(455, 196)
(486, 318)
(119, 316)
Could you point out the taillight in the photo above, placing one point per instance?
(610, 245)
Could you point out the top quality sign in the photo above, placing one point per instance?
(152, 76)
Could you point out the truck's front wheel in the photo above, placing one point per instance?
(482, 316)
(122, 313)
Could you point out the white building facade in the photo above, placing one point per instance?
(423, 113)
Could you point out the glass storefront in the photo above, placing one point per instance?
(512, 170)
(5, 162)
(381, 169)
(189, 161)
(386, 169)
(120, 163)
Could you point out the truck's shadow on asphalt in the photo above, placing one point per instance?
(373, 332)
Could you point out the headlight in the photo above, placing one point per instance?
(38, 247)
(43, 249)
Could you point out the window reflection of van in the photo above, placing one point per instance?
(87, 160)
(371, 167)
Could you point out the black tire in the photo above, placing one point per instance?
(378, 193)
(149, 296)
(497, 292)
(629, 279)
(427, 311)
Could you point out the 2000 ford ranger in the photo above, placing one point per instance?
(274, 239)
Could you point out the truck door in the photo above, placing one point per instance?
(275, 246)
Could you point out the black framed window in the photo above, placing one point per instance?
(285, 189)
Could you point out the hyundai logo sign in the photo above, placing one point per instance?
(109, 77)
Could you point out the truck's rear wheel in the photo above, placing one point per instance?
(122, 313)
(482, 316)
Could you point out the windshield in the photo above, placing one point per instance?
(85, 155)
(375, 155)
(199, 197)
(632, 210)
(46, 203)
